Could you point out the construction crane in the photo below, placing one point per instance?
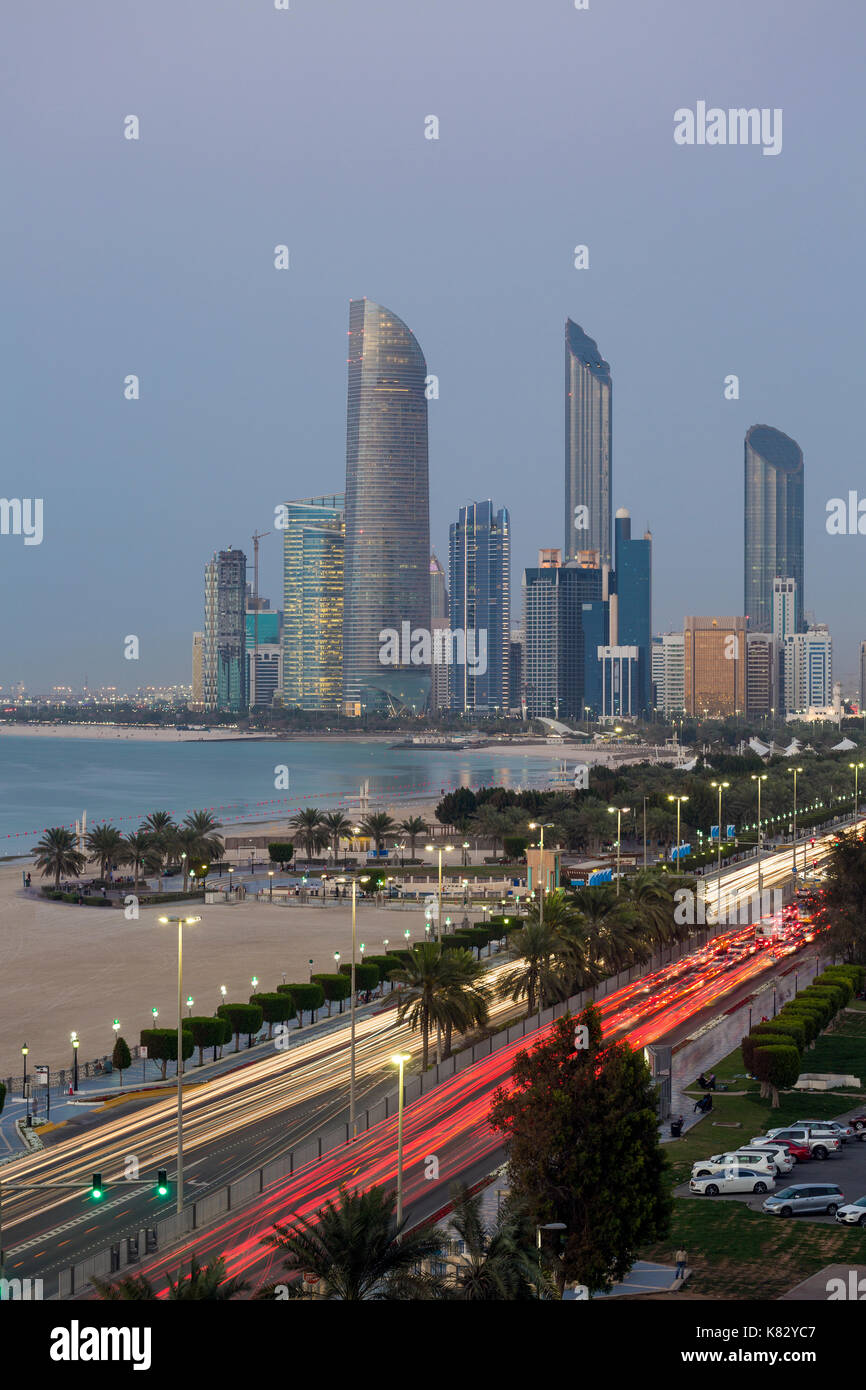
(257, 536)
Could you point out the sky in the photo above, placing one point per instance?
(306, 127)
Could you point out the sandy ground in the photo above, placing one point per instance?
(64, 967)
(114, 731)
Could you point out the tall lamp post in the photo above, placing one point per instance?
(720, 786)
(442, 849)
(24, 1051)
(856, 767)
(181, 923)
(679, 800)
(759, 777)
(537, 825)
(400, 1059)
(618, 811)
(76, 1043)
(365, 878)
(796, 772)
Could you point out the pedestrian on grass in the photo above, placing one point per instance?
(680, 1258)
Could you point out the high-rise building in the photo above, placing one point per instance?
(668, 672)
(714, 667)
(862, 677)
(773, 523)
(555, 653)
(807, 670)
(761, 673)
(264, 651)
(387, 558)
(784, 607)
(312, 637)
(232, 693)
(515, 669)
(633, 559)
(440, 687)
(587, 447)
(198, 669)
(209, 649)
(480, 565)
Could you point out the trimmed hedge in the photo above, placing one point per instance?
(242, 1018)
(304, 997)
(276, 1008)
(384, 965)
(336, 988)
(366, 974)
(789, 1026)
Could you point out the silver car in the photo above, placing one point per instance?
(806, 1196)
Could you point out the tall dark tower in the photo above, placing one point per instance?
(387, 552)
(773, 523)
(587, 447)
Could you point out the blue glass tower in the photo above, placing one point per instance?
(480, 565)
(633, 584)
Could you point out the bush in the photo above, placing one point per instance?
(209, 1030)
(161, 1044)
(276, 1008)
(810, 1020)
(837, 991)
(366, 974)
(820, 1002)
(280, 852)
(776, 1066)
(384, 965)
(336, 988)
(304, 996)
(242, 1018)
(515, 846)
(790, 1026)
(121, 1057)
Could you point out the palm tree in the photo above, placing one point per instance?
(430, 998)
(308, 825)
(203, 823)
(470, 993)
(202, 1282)
(189, 846)
(161, 828)
(491, 823)
(537, 972)
(105, 843)
(358, 1250)
(338, 827)
(157, 822)
(413, 826)
(653, 898)
(377, 826)
(500, 1263)
(137, 850)
(613, 927)
(56, 854)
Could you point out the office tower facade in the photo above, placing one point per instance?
(588, 447)
(773, 523)
(555, 652)
(761, 673)
(714, 666)
(440, 682)
(668, 672)
(198, 669)
(387, 556)
(633, 568)
(264, 652)
(807, 670)
(862, 677)
(515, 669)
(784, 607)
(480, 606)
(224, 657)
(312, 636)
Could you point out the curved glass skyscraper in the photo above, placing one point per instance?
(773, 523)
(387, 553)
(587, 446)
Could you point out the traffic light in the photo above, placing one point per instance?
(96, 1186)
(162, 1189)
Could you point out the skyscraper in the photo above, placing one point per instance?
(387, 558)
(556, 658)
(440, 695)
(198, 669)
(224, 665)
(480, 565)
(313, 546)
(773, 523)
(634, 603)
(714, 677)
(587, 447)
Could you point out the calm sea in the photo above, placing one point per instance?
(50, 781)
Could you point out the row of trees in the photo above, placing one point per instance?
(322, 830)
(773, 1051)
(157, 844)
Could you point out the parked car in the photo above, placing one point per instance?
(843, 1132)
(720, 1163)
(853, 1213)
(858, 1122)
(799, 1152)
(820, 1142)
(783, 1160)
(804, 1197)
(746, 1180)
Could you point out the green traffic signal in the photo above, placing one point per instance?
(162, 1188)
(96, 1186)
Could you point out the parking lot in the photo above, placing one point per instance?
(847, 1168)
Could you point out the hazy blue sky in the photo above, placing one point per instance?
(261, 127)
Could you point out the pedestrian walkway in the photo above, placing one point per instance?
(644, 1277)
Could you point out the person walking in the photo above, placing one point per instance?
(680, 1258)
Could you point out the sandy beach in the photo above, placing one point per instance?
(145, 734)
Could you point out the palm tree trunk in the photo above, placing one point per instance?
(425, 1035)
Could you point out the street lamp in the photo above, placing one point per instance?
(181, 922)
(76, 1043)
(255, 983)
(618, 811)
(537, 825)
(679, 800)
(465, 847)
(548, 1226)
(856, 767)
(189, 1003)
(116, 1027)
(270, 885)
(365, 878)
(400, 1059)
(796, 771)
(759, 777)
(720, 786)
(24, 1051)
(442, 849)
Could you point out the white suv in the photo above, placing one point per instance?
(758, 1160)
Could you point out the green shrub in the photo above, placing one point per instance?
(336, 988)
(278, 1007)
(304, 997)
(242, 1018)
(776, 1066)
(789, 1026)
